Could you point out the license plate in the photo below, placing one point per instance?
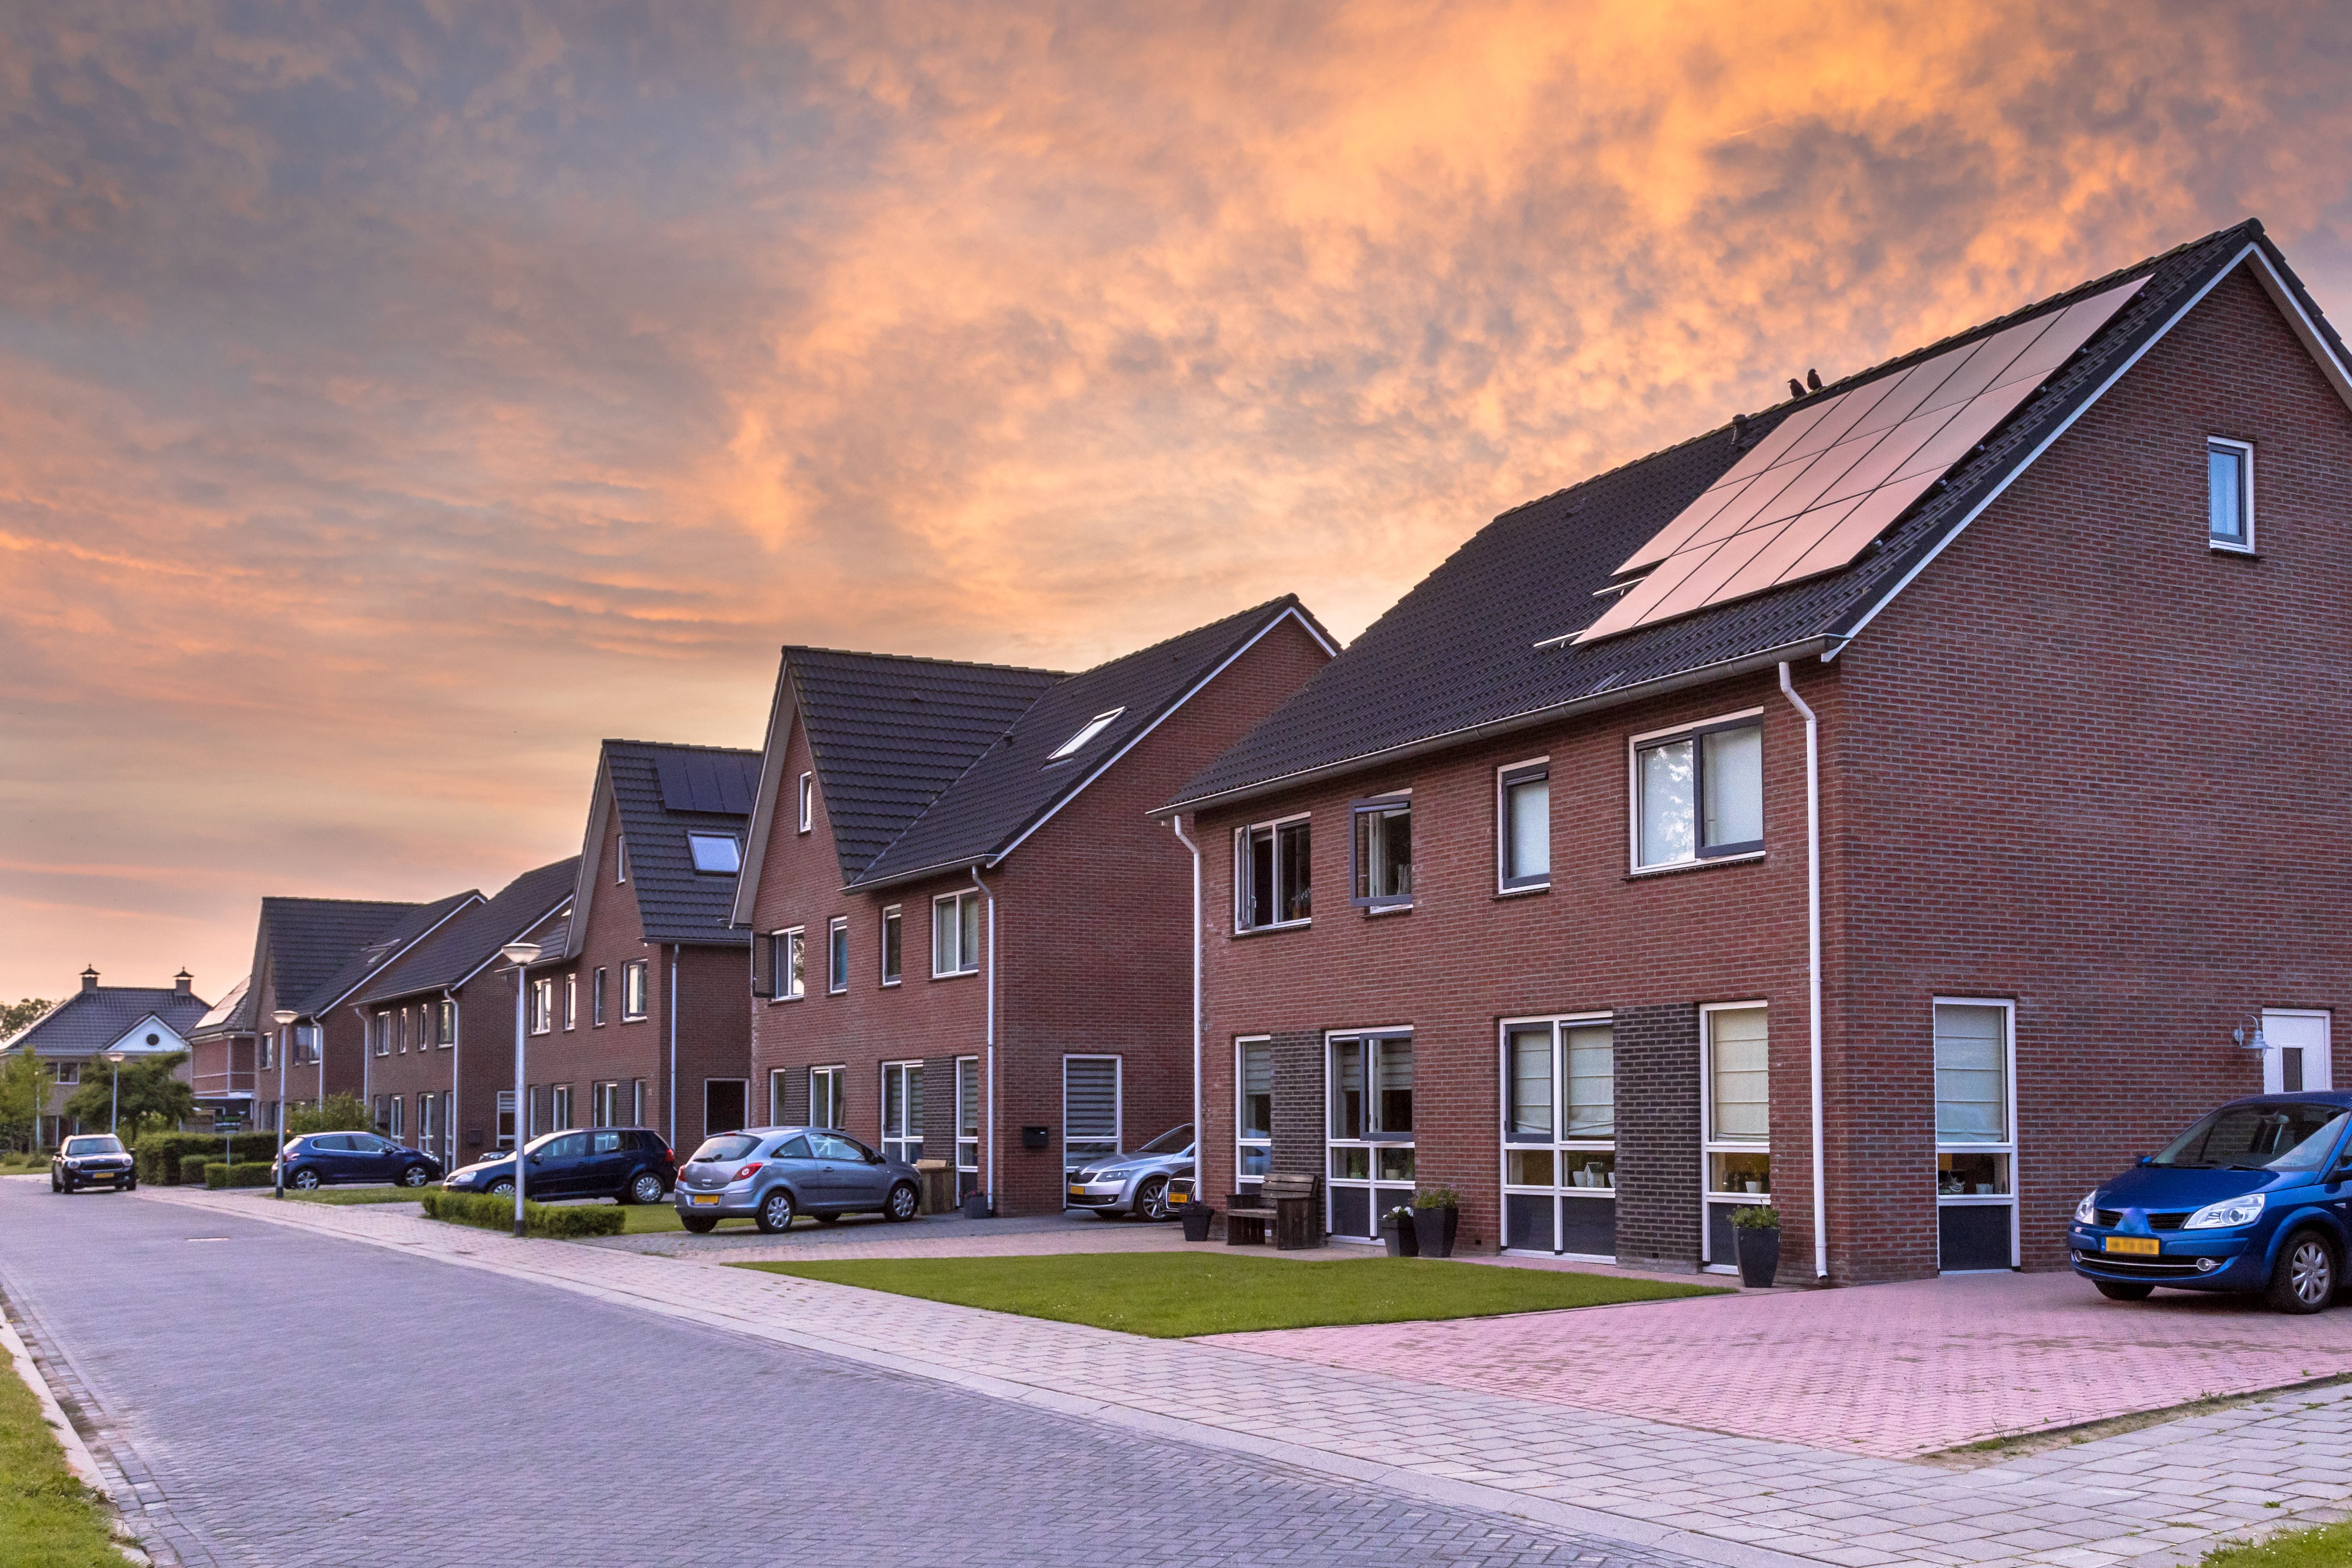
(1077, 1192)
(700, 1198)
(2141, 1246)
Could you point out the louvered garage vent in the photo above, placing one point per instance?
(1089, 1109)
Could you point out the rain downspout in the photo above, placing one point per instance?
(990, 894)
(1199, 1180)
(673, 1047)
(1814, 958)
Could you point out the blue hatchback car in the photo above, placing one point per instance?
(2255, 1196)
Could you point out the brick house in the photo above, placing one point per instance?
(637, 1016)
(311, 956)
(220, 1056)
(2043, 625)
(439, 1021)
(912, 814)
(75, 1038)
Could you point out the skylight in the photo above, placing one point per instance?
(1093, 726)
(715, 852)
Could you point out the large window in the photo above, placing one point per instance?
(1381, 849)
(543, 1004)
(789, 965)
(836, 974)
(1523, 825)
(1370, 1130)
(825, 1086)
(1253, 1111)
(1559, 1135)
(967, 1126)
(634, 1000)
(955, 933)
(1735, 1118)
(1975, 1202)
(902, 1111)
(1274, 876)
(2229, 494)
(893, 929)
(1698, 793)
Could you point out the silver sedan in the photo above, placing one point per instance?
(774, 1174)
(1135, 1183)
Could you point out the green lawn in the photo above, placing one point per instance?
(2330, 1546)
(47, 1519)
(341, 1197)
(1172, 1295)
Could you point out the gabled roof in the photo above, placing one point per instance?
(1479, 647)
(412, 925)
(662, 793)
(889, 733)
(309, 940)
(1015, 784)
(231, 1014)
(471, 943)
(94, 1018)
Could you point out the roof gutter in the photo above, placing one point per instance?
(1825, 645)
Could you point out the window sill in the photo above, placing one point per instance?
(1373, 912)
(2243, 551)
(775, 999)
(1641, 872)
(955, 974)
(1532, 889)
(889, 984)
(637, 1018)
(1272, 930)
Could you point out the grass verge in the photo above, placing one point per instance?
(1175, 1295)
(342, 1197)
(47, 1519)
(2329, 1546)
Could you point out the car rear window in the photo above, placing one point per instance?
(726, 1146)
(2259, 1137)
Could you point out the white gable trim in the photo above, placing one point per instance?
(592, 854)
(133, 1041)
(781, 713)
(2272, 285)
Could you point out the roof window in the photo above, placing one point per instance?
(717, 853)
(1093, 726)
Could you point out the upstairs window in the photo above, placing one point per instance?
(808, 802)
(892, 939)
(955, 933)
(571, 1005)
(837, 974)
(790, 964)
(1087, 732)
(2229, 494)
(596, 997)
(1698, 793)
(542, 1005)
(445, 1021)
(381, 1030)
(633, 990)
(620, 859)
(715, 854)
(1383, 852)
(1274, 876)
(1524, 819)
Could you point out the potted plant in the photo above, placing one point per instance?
(1436, 1212)
(1756, 1237)
(1196, 1215)
(1397, 1230)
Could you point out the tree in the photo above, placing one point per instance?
(339, 1113)
(15, 1015)
(147, 1088)
(24, 1083)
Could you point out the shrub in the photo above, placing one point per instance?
(1756, 1219)
(490, 1213)
(191, 1170)
(238, 1176)
(163, 1155)
(1437, 1198)
(336, 1113)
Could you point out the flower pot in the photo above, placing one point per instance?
(1196, 1221)
(1760, 1255)
(975, 1205)
(1434, 1230)
(1403, 1240)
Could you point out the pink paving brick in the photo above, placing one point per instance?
(1889, 1370)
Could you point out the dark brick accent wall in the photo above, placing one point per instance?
(1299, 1123)
(939, 1108)
(1657, 1135)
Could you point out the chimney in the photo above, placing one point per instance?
(182, 980)
(89, 978)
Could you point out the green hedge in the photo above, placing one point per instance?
(238, 1176)
(191, 1170)
(538, 1219)
(163, 1156)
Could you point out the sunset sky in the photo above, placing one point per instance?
(396, 398)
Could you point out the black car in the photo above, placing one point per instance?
(338, 1159)
(630, 1164)
(92, 1159)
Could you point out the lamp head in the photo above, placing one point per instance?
(284, 1016)
(522, 952)
(115, 1057)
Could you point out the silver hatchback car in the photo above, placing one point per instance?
(773, 1175)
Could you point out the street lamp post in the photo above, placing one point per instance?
(519, 954)
(283, 1018)
(114, 1095)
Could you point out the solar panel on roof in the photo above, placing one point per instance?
(1829, 478)
(707, 781)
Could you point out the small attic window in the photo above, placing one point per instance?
(1093, 726)
(717, 853)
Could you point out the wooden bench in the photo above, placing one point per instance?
(1293, 1202)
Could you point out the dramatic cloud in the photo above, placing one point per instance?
(393, 400)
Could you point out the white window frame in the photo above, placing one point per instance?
(836, 956)
(1560, 1145)
(788, 958)
(1383, 804)
(968, 1113)
(604, 1103)
(837, 1078)
(635, 968)
(807, 802)
(543, 1003)
(716, 836)
(558, 1108)
(970, 961)
(777, 1079)
(69, 1073)
(1273, 828)
(893, 918)
(620, 858)
(380, 1028)
(1405, 1185)
(1710, 1145)
(503, 1114)
(1087, 732)
(1507, 777)
(571, 1001)
(395, 1118)
(445, 1024)
(2244, 451)
(1242, 1141)
(902, 1137)
(2008, 1148)
(596, 999)
(1635, 746)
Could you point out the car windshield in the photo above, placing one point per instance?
(1175, 1141)
(106, 1143)
(2259, 1137)
(726, 1146)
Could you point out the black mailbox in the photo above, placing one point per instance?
(1034, 1137)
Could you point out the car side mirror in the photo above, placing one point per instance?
(2145, 1160)
(534, 1159)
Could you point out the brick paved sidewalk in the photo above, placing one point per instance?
(2162, 1495)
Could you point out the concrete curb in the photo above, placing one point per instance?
(79, 1458)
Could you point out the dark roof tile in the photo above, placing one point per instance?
(675, 901)
(459, 949)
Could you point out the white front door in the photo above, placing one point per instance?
(2296, 1053)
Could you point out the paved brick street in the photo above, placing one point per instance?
(417, 1414)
